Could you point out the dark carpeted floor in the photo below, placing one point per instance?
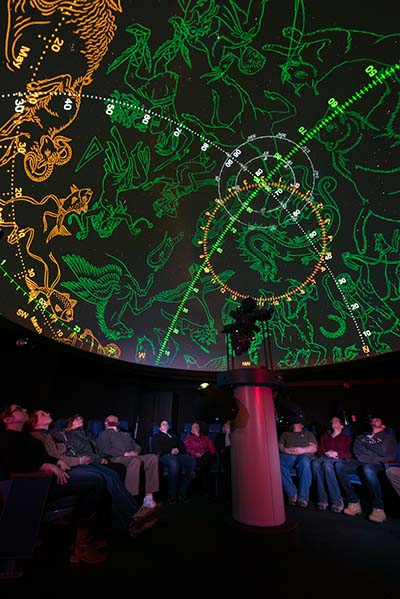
(196, 549)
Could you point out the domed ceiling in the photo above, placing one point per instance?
(162, 162)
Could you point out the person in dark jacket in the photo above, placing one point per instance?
(371, 450)
(125, 511)
(172, 454)
(20, 452)
(79, 444)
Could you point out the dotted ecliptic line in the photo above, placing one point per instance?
(350, 309)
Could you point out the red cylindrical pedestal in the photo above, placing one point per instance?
(257, 496)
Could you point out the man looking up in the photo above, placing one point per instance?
(119, 447)
(371, 449)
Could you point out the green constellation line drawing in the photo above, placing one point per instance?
(337, 110)
(379, 79)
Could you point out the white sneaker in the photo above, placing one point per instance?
(149, 502)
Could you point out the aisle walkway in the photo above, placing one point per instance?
(197, 550)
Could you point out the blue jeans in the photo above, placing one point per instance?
(88, 490)
(370, 473)
(301, 463)
(324, 474)
(174, 464)
(123, 504)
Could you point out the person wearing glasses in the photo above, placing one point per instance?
(20, 452)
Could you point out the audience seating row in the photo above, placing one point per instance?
(213, 430)
(354, 478)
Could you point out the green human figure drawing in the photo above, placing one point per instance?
(377, 250)
(191, 176)
(201, 333)
(233, 50)
(157, 90)
(293, 331)
(123, 171)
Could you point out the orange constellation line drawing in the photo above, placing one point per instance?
(76, 202)
(61, 304)
(52, 104)
(87, 340)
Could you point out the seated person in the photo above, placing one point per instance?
(79, 443)
(125, 506)
(20, 452)
(371, 450)
(172, 454)
(200, 446)
(334, 445)
(297, 448)
(118, 446)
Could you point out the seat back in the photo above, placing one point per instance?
(185, 431)
(396, 461)
(154, 431)
(124, 425)
(398, 452)
(59, 424)
(94, 427)
(19, 526)
(213, 430)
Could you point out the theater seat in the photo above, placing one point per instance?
(24, 509)
(396, 461)
(94, 427)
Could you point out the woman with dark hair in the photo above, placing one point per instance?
(333, 445)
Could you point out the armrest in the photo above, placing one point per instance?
(38, 474)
